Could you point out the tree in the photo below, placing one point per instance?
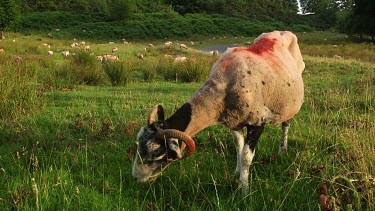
(362, 18)
(120, 9)
(8, 14)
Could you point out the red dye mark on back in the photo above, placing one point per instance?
(261, 46)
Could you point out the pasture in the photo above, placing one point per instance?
(68, 129)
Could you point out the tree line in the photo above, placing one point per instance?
(351, 16)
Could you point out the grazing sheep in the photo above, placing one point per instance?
(151, 45)
(111, 43)
(49, 35)
(99, 58)
(140, 56)
(168, 44)
(168, 56)
(192, 43)
(182, 45)
(180, 59)
(337, 57)
(215, 53)
(126, 43)
(50, 53)
(2, 50)
(74, 45)
(114, 49)
(108, 57)
(247, 87)
(82, 43)
(87, 48)
(65, 53)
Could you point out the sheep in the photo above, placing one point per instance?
(65, 53)
(151, 45)
(99, 58)
(168, 56)
(182, 45)
(215, 53)
(180, 59)
(50, 53)
(337, 57)
(87, 48)
(114, 49)
(110, 57)
(140, 56)
(74, 45)
(82, 43)
(2, 50)
(168, 44)
(247, 87)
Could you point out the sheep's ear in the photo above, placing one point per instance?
(173, 149)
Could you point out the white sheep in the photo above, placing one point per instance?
(87, 48)
(109, 57)
(140, 56)
(168, 44)
(215, 53)
(65, 53)
(180, 59)
(82, 43)
(99, 58)
(182, 45)
(114, 50)
(247, 87)
(50, 53)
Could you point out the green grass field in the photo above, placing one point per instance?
(70, 146)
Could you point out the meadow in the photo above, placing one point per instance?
(68, 130)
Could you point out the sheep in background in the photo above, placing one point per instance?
(168, 44)
(182, 46)
(109, 57)
(2, 50)
(87, 48)
(114, 50)
(65, 53)
(140, 56)
(99, 58)
(50, 53)
(180, 59)
(247, 87)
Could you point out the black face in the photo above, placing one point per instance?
(153, 154)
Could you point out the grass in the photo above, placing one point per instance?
(73, 147)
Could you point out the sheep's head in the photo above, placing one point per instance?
(158, 147)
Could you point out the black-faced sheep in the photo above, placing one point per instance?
(247, 87)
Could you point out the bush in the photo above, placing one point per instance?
(18, 93)
(118, 72)
(194, 70)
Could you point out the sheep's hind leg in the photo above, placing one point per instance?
(239, 142)
(284, 139)
(247, 154)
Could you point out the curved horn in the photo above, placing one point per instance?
(190, 144)
(156, 110)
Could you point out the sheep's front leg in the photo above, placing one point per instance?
(239, 142)
(247, 154)
(284, 139)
